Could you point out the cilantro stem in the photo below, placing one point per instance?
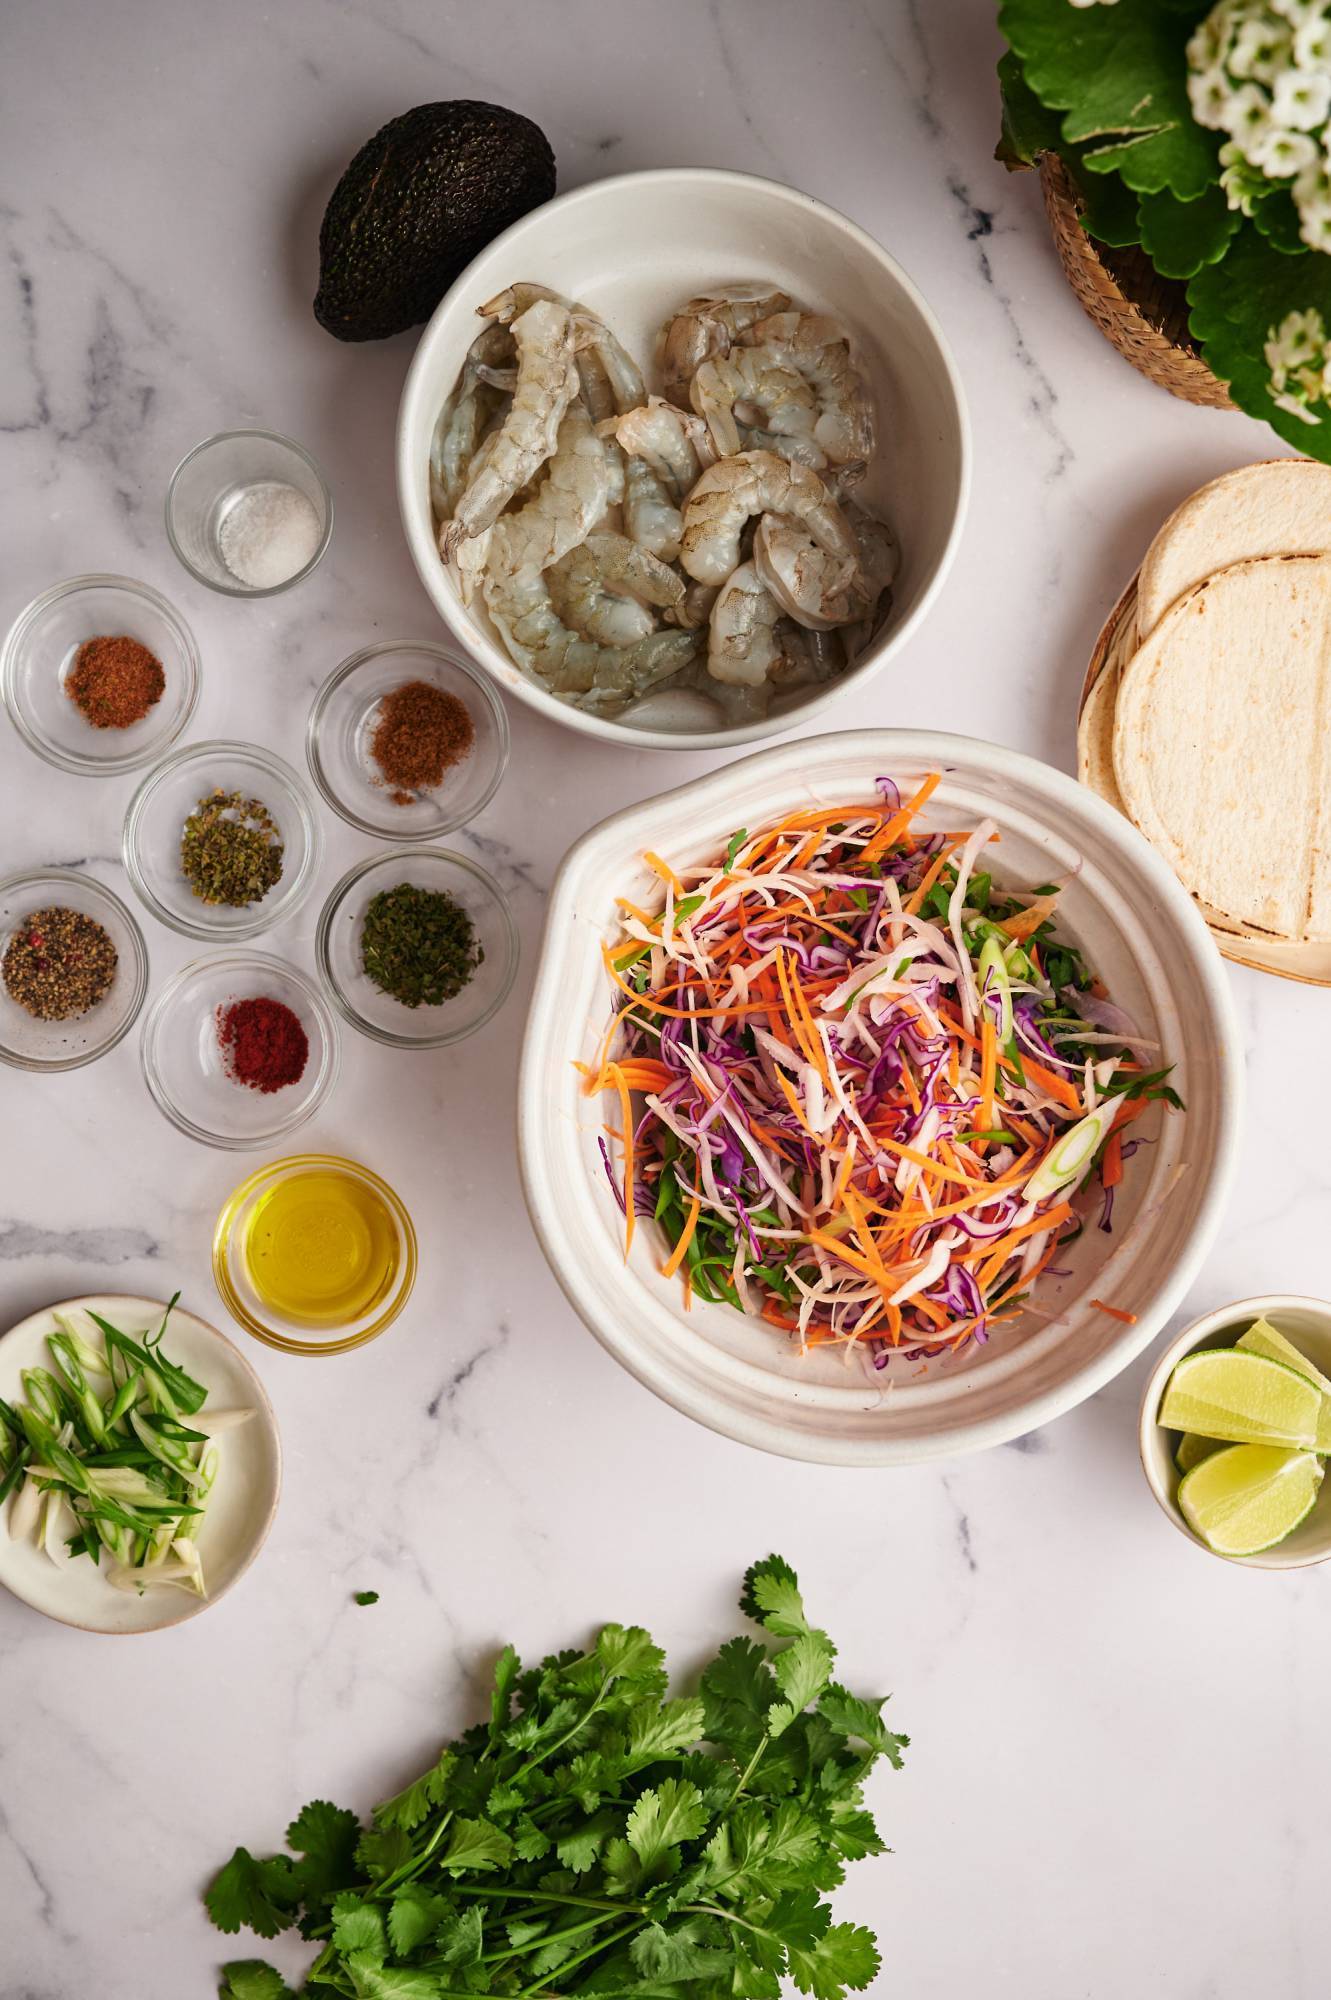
(603, 1903)
(561, 1971)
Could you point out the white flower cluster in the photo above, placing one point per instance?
(1298, 355)
(1260, 70)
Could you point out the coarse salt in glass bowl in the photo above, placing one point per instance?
(29, 1043)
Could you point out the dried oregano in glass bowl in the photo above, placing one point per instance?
(1198, 140)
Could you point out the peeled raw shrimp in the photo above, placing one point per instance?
(710, 324)
(674, 442)
(743, 644)
(756, 482)
(547, 382)
(751, 382)
(566, 506)
(811, 584)
(816, 348)
(606, 588)
(695, 606)
(465, 415)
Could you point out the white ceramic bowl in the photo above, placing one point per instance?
(244, 1500)
(1305, 1322)
(1140, 932)
(633, 249)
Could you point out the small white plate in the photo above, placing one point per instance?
(244, 1499)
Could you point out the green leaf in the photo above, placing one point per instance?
(260, 1894)
(804, 1668)
(415, 1801)
(1119, 76)
(1180, 236)
(251, 1979)
(672, 1812)
(771, 1597)
(737, 841)
(851, 1716)
(1236, 305)
(578, 1849)
(628, 1653)
(357, 1926)
(1028, 129)
(474, 1843)
(367, 1597)
(373, 1981)
(529, 1842)
(507, 1668)
(797, 1920)
(656, 1729)
(1109, 209)
(414, 1914)
(853, 1833)
(326, 1837)
(460, 1938)
(382, 1851)
(672, 1956)
(737, 1691)
(845, 1956)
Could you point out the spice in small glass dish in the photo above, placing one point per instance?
(420, 732)
(268, 534)
(263, 1043)
(418, 945)
(231, 849)
(114, 681)
(59, 963)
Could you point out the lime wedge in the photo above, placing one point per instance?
(1249, 1497)
(1192, 1449)
(1263, 1338)
(1224, 1393)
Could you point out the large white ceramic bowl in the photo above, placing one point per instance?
(633, 249)
(1138, 929)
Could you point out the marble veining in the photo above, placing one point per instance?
(1112, 1785)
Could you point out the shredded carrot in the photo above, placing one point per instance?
(1115, 1312)
(1111, 1166)
(680, 1251)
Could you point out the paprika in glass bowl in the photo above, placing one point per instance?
(407, 741)
(239, 1049)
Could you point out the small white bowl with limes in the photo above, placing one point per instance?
(1235, 1429)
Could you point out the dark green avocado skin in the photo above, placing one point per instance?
(414, 207)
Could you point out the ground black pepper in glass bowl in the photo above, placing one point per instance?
(478, 938)
(73, 969)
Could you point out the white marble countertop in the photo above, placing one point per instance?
(1114, 1785)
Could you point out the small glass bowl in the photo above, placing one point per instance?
(156, 818)
(337, 946)
(25, 1041)
(39, 655)
(186, 1071)
(211, 478)
(254, 1313)
(341, 728)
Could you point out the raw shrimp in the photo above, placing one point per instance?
(750, 382)
(674, 442)
(879, 556)
(695, 607)
(731, 492)
(650, 515)
(811, 584)
(606, 588)
(547, 382)
(743, 645)
(513, 301)
(523, 609)
(802, 450)
(710, 324)
(816, 348)
(566, 506)
(465, 415)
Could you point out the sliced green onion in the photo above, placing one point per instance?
(992, 974)
(1070, 1158)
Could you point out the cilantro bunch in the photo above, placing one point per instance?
(1115, 90)
(597, 1837)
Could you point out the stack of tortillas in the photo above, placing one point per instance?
(1207, 716)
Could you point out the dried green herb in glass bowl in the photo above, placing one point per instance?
(418, 945)
(231, 849)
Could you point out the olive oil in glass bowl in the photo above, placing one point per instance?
(314, 1254)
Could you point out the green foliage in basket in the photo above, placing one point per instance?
(1203, 135)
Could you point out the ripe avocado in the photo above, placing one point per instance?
(416, 204)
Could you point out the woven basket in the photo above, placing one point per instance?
(1144, 315)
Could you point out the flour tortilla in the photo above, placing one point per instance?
(1281, 507)
(1221, 746)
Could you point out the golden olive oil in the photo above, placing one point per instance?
(322, 1248)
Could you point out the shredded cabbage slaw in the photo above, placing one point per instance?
(857, 1085)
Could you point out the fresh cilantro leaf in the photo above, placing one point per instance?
(737, 841)
(797, 1919)
(737, 1691)
(749, 1981)
(414, 1914)
(629, 1653)
(410, 1806)
(325, 1837)
(367, 1597)
(803, 1668)
(844, 1956)
(771, 1597)
(260, 1894)
(382, 1851)
(850, 1716)
(656, 1729)
(621, 1867)
(529, 1842)
(672, 1956)
(853, 1832)
(357, 1926)
(460, 1938)
(664, 1817)
(507, 1668)
(251, 1979)
(474, 1843)
(579, 1847)
(372, 1981)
